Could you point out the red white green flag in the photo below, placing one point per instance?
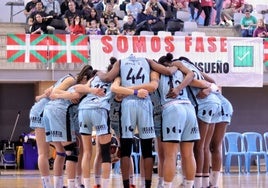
(16, 47)
(26, 48)
(68, 48)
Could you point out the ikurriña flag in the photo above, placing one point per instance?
(29, 48)
(68, 48)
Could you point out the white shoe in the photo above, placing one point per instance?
(230, 23)
(222, 23)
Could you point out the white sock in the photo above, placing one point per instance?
(46, 182)
(71, 183)
(58, 181)
(105, 182)
(160, 181)
(97, 180)
(78, 181)
(205, 181)
(215, 178)
(87, 182)
(197, 182)
(142, 181)
(131, 179)
(188, 183)
(167, 184)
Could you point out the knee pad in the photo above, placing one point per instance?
(105, 152)
(71, 152)
(146, 148)
(126, 144)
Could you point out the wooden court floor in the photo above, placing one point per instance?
(11, 178)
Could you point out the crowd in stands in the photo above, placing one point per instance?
(130, 17)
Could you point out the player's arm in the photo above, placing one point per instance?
(166, 70)
(152, 85)
(112, 74)
(85, 89)
(118, 89)
(68, 82)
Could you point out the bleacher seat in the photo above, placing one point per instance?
(183, 16)
(261, 7)
(146, 33)
(164, 33)
(189, 26)
(237, 18)
(180, 33)
(197, 34)
(257, 15)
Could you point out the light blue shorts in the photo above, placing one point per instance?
(137, 112)
(57, 124)
(36, 114)
(179, 123)
(93, 117)
(208, 112)
(226, 111)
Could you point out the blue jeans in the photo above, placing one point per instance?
(218, 8)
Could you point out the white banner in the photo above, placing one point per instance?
(235, 62)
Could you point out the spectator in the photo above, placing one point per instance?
(207, 8)
(86, 4)
(129, 28)
(261, 29)
(123, 5)
(112, 29)
(53, 8)
(77, 27)
(106, 16)
(133, 8)
(98, 5)
(148, 22)
(40, 24)
(157, 9)
(39, 8)
(64, 6)
(227, 14)
(70, 14)
(181, 5)
(94, 28)
(248, 24)
(92, 16)
(218, 8)
(195, 4)
(29, 8)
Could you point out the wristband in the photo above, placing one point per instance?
(214, 87)
(135, 92)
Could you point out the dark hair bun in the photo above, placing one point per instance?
(169, 57)
(113, 60)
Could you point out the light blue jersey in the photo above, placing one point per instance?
(57, 119)
(36, 112)
(94, 101)
(135, 111)
(169, 82)
(93, 110)
(208, 107)
(179, 119)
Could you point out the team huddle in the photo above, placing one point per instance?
(169, 101)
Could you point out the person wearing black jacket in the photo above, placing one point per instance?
(147, 22)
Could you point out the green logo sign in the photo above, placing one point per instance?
(243, 56)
